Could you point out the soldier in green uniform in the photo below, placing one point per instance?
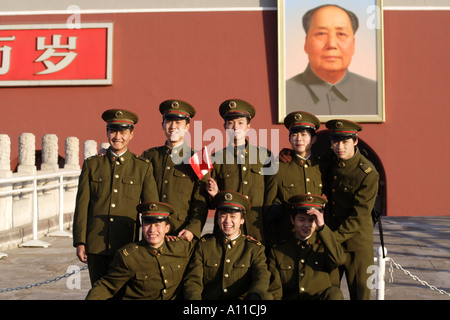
(177, 183)
(302, 175)
(227, 265)
(244, 168)
(150, 269)
(353, 190)
(301, 265)
(110, 186)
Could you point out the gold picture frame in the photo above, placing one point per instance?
(360, 96)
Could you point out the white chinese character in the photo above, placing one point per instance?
(6, 55)
(50, 51)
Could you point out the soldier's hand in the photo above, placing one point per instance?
(285, 155)
(318, 217)
(81, 253)
(170, 238)
(102, 151)
(185, 235)
(211, 187)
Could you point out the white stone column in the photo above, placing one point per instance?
(49, 153)
(27, 154)
(72, 153)
(89, 148)
(5, 172)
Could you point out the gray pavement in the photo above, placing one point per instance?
(420, 245)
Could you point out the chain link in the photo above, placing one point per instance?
(424, 283)
(37, 284)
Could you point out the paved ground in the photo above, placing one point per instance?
(421, 245)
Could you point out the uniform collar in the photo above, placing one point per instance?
(301, 161)
(320, 88)
(178, 150)
(351, 161)
(113, 157)
(306, 242)
(230, 243)
(157, 251)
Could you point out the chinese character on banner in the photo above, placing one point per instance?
(6, 55)
(201, 163)
(50, 51)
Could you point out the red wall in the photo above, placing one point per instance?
(207, 57)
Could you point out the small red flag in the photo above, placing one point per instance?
(201, 162)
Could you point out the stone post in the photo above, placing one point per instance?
(5, 172)
(49, 153)
(89, 148)
(27, 154)
(72, 154)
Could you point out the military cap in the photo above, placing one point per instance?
(301, 120)
(304, 202)
(236, 108)
(176, 110)
(230, 200)
(120, 119)
(342, 129)
(155, 211)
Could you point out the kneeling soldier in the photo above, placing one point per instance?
(151, 268)
(227, 265)
(301, 265)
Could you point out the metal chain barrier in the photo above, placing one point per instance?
(424, 283)
(37, 284)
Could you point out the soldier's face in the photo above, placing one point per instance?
(301, 142)
(344, 149)
(154, 233)
(330, 43)
(175, 130)
(119, 139)
(237, 128)
(230, 223)
(304, 225)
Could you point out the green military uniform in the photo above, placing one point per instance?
(300, 176)
(226, 269)
(353, 191)
(177, 183)
(144, 271)
(246, 169)
(301, 267)
(109, 189)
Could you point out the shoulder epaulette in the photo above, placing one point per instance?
(206, 237)
(94, 157)
(365, 167)
(142, 158)
(127, 250)
(252, 240)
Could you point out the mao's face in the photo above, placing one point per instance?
(330, 43)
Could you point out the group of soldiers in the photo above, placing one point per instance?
(288, 231)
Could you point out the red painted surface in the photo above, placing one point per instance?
(205, 58)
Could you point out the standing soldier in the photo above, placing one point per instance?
(177, 182)
(353, 191)
(227, 265)
(110, 187)
(244, 168)
(150, 269)
(302, 175)
(301, 265)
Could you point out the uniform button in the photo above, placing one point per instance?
(315, 262)
(226, 275)
(320, 185)
(302, 261)
(165, 181)
(131, 182)
(289, 267)
(164, 196)
(228, 260)
(165, 281)
(117, 162)
(115, 190)
(111, 219)
(122, 158)
(225, 290)
(245, 182)
(167, 168)
(116, 176)
(246, 196)
(113, 205)
(244, 168)
(302, 289)
(164, 291)
(306, 166)
(302, 274)
(162, 267)
(308, 180)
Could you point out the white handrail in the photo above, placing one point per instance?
(61, 174)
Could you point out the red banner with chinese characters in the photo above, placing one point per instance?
(33, 55)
